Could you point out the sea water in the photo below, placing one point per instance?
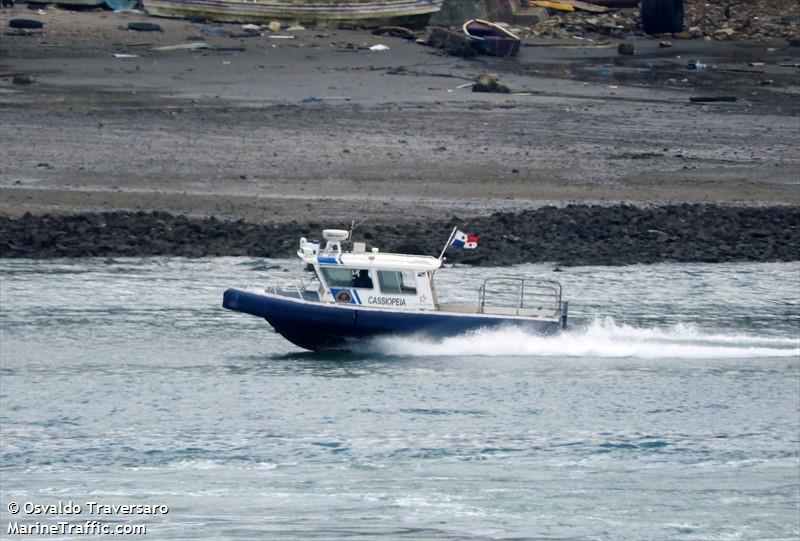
(670, 409)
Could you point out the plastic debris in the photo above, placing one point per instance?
(379, 47)
(122, 5)
(125, 55)
(215, 31)
(249, 33)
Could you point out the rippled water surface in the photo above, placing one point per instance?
(669, 410)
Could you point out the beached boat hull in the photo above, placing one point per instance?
(81, 3)
(367, 12)
(317, 326)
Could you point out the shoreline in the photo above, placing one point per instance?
(570, 236)
(275, 133)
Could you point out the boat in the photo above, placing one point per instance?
(412, 13)
(356, 294)
(491, 38)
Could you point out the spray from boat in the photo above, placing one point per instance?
(602, 338)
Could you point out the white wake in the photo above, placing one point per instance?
(602, 338)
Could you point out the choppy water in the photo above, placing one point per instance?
(670, 409)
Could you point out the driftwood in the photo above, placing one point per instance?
(712, 99)
(396, 31)
(586, 6)
(617, 3)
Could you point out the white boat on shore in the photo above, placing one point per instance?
(358, 294)
(408, 12)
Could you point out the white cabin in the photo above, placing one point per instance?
(372, 279)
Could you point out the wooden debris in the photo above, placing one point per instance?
(558, 6)
(617, 3)
(585, 6)
(454, 43)
(396, 31)
(712, 99)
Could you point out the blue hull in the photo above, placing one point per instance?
(316, 326)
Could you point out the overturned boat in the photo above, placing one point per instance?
(491, 38)
(412, 13)
(357, 294)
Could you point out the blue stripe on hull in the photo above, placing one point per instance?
(317, 327)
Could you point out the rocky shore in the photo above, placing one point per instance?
(125, 143)
(721, 20)
(572, 235)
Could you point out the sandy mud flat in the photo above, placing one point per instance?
(315, 127)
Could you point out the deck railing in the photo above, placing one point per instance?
(288, 287)
(519, 294)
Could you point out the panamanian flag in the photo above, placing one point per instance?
(462, 240)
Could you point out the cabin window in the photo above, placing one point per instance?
(343, 277)
(361, 279)
(397, 282)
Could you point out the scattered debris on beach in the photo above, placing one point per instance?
(718, 20)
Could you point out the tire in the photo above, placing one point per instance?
(144, 27)
(662, 16)
(25, 23)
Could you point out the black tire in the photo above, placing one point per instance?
(25, 23)
(144, 27)
(662, 16)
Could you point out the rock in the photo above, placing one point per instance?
(724, 34)
(695, 32)
(625, 48)
(22, 79)
(571, 235)
(751, 19)
(489, 83)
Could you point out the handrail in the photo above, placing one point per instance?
(286, 285)
(541, 289)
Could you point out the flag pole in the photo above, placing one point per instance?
(446, 244)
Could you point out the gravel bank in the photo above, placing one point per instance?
(572, 235)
